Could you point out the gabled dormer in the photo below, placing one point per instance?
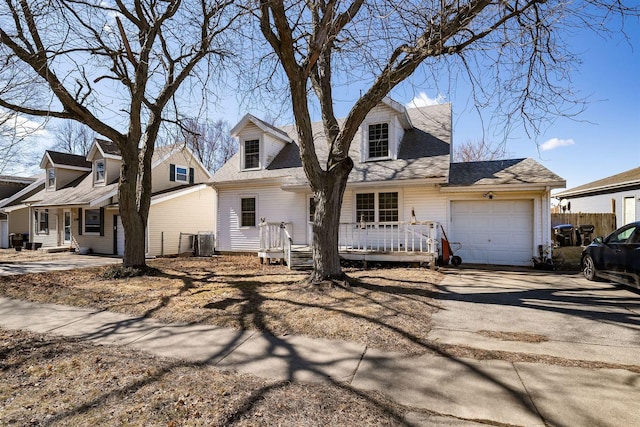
(105, 162)
(382, 130)
(62, 169)
(176, 165)
(259, 141)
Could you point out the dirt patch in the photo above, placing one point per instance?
(567, 258)
(60, 382)
(389, 309)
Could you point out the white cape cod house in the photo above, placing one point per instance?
(78, 207)
(402, 192)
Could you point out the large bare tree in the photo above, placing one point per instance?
(73, 137)
(478, 150)
(117, 66)
(211, 142)
(510, 48)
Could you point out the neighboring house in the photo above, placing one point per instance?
(618, 194)
(11, 189)
(78, 207)
(401, 189)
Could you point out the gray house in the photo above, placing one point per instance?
(618, 194)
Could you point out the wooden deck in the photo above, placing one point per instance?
(393, 242)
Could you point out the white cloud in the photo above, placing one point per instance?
(555, 143)
(423, 100)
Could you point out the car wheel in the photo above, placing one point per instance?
(588, 268)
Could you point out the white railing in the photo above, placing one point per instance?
(389, 237)
(274, 236)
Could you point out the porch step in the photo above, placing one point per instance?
(54, 249)
(301, 260)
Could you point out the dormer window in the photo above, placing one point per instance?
(99, 171)
(252, 154)
(378, 141)
(51, 178)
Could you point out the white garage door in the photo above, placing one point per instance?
(493, 232)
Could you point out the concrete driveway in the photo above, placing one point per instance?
(66, 262)
(512, 310)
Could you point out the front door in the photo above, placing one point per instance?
(66, 227)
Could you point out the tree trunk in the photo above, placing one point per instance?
(133, 207)
(329, 192)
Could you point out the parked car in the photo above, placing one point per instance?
(615, 257)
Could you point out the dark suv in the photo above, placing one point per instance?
(615, 257)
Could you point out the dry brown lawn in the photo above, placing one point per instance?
(389, 309)
(53, 381)
(49, 381)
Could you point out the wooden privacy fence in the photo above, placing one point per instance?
(604, 223)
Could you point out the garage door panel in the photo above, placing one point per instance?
(493, 232)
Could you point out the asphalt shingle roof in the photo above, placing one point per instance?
(67, 159)
(79, 192)
(513, 171)
(424, 153)
(108, 147)
(630, 177)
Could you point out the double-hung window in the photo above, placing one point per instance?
(248, 212)
(92, 220)
(51, 178)
(252, 154)
(182, 174)
(42, 221)
(377, 207)
(388, 207)
(100, 173)
(378, 141)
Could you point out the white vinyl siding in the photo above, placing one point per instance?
(272, 146)
(189, 213)
(273, 204)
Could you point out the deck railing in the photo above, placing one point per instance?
(389, 237)
(380, 237)
(274, 235)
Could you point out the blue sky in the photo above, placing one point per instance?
(601, 141)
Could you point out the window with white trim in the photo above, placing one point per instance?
(92, 221)
(51, 178)
(388, 207)
(377, 207)
(42, 221)
(99, 170)
(182, 174)
(365, 207)
(251, 154)
(248, 212)
(378, 141)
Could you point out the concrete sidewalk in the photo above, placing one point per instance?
(69, 262)
(462, 391)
